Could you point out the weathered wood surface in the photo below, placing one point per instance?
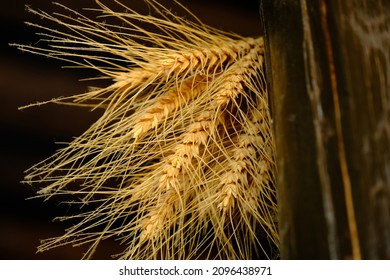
(328, 66)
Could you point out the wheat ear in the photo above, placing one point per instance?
(180, 164)
(174, 99)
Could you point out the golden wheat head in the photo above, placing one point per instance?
(182, 155)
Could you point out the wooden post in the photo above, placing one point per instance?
(328, 70)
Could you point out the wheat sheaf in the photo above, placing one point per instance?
(180, 163)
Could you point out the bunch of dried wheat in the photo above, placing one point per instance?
(182, 155)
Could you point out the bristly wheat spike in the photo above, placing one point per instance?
(157, 218)
(187, 149)
(238, 75)
(180, 163)
(207, 58)
(173, 100)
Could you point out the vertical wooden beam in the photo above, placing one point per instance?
(328, 69)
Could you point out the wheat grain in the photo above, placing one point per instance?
(234, 182)
(158, 217)
(188, 149)
(238, 75)
(207, 58)
(173, 100)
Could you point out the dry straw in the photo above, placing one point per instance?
(180, 164)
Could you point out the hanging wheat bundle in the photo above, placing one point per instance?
(180, 164)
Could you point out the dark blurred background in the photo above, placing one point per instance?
(29, 136)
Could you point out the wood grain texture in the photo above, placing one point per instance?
(328, 70)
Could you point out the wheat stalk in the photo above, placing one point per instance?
(182, 154)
